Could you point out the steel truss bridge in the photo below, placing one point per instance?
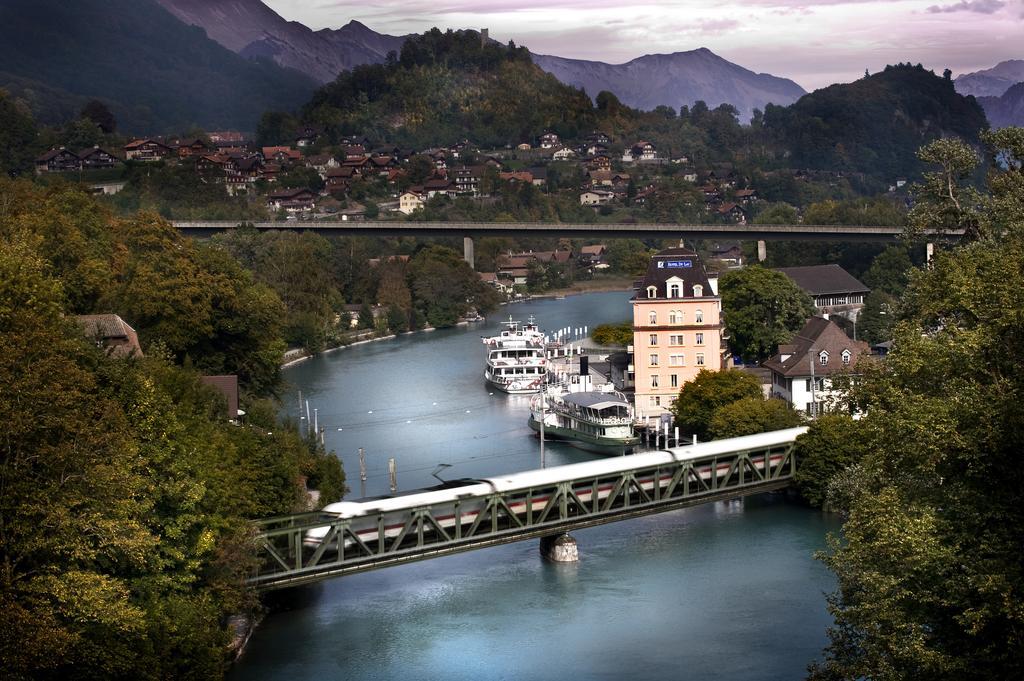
(466, 515)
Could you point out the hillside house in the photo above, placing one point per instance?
(596, 197)
(297, 200)
(96, 158)
(411, 200)
(147, 150)
(564, 154)
(281, 155)
(641, 151)
(307, 137)
(549, 140)
(803, 370)
(110, 332)
(57, 161)
(467, 179)
(194, 147)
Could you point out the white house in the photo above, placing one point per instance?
(596, 197)
(409, 202)
(803, 370)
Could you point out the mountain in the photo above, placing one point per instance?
(1005, 110)
(992, 82)
(252, 29)
(675, 79)
(876, 124)
(155, 73)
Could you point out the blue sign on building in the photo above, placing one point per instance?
(674, 264)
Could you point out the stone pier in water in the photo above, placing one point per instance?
(559, 548)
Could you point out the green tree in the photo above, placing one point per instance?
(628, 256)
(613, 334)
(876, 319)
(946, 199)
(97, 112)
(752, 415)
(18, 137)
(366, 320)
(445, 287)
(762, 309)
(831, 444)
(700, 398)
(889, 271)
(777, 214)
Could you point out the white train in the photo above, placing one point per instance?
(471, 494)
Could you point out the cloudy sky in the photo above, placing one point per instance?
(814, 42)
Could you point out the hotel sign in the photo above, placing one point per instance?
(674, 264)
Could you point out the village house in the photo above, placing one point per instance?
(297, 200)
(677, 328)
(321, 163)
(596, 197)
(110, 332)
(598, 137)
(803, 370)
(467, 179)
(194, 147)
(147, 150)
(491, 279)
(517, 176)
(57, 161)
(564, 154)
(549, 140)
(97, 158)
(411, 201)
(745, 196)
(607, 178)
(281, 155)
(834, 290)
(591, 256)
(307, 137)
(600, 162)
(641, 151)
(540, 176)
(732, 210)
(523, 146)
(730, 255)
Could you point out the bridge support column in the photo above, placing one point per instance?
(762, 251)
(559, 548)
(468, 253)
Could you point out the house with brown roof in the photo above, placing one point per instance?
(803, 370)
(281, 155)
(411, 200)
(834, 290)
(549, 140)
(110, 332)
(194, 147)
(147, 150)
(97, 158)
(57, 161)
(297, 200)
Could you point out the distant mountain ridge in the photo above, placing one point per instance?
(154, 72)
(676, 79)
(1007, 109)
(252, 29)
(992, 82)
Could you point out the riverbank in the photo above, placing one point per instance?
(602, 285)
(301, 355)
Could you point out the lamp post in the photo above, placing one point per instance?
(814, 406)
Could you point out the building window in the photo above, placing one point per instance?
(700, 359)
(654, 381)
(655, 401)
(700, 339)
(846, 357)
(698, 291)
(654, 339)
(653, 317)
(654, 360)
(699, 316)
(675, 340)
(652, 291)
(676, 360)
(673, 317)
(823, 358)
(674, 380)
(675, 291)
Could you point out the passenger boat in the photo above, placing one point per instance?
(516, 358)
(597, 420)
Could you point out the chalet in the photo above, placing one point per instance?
(383, 165)
(711, 193)
(834, 290)
(732, 211)
(600, 162)
(607, 178)
(515, 276)
(146, 150)
(467, 179)
(354, 151)
(491, 279)
(321, 163)
(730, 255)
(745, 196)
(540, 176)
(517, 176)
(359, 165)
(440, 185)
(96, 158)
(270, 171)
(111, 333)
(803, 369)
(564, 154)
(592, 255)
(57, 161)
(194, 147)
(596, 197)
(641, 151)
(307, 137)
(281, 155)
(212, 167)
(524, 146)
(411, 201)
(598, 137)
(595, 149)
(298, 200)
(549, 140)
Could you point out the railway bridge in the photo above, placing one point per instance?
(470, 230)
(465, 515)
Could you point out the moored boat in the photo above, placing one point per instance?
(598, 420)
(516, 358)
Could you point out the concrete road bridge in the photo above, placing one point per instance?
(464, 515)
(470, 230)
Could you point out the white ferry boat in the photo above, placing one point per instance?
(598, 420)
(516, 358)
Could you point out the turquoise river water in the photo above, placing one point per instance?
(725, 591)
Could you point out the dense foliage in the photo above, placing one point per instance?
(700, 398)
(613, 334)
(153, 71)
(875, 124)
(929, 570)
(123, 541)
(762, 308)
(752, 415)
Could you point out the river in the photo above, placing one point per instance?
(721, 591)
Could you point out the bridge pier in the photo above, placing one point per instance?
(762, 251)
(559, 548)
(468, 253)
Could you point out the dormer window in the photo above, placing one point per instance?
(652, 291)
(823, 358)
(847, 355)
(698, 291)
(675, 290)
